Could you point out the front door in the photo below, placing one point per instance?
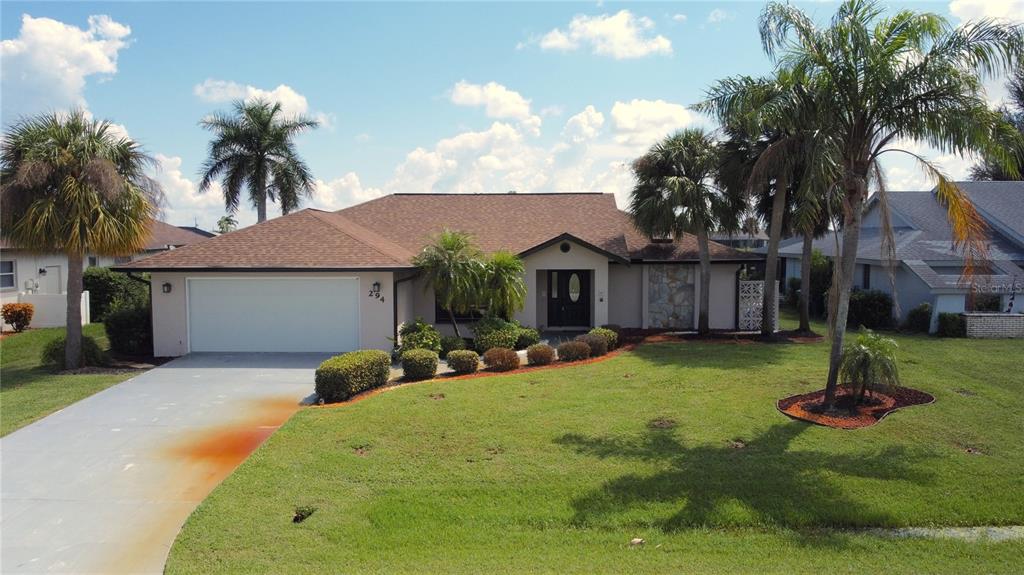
(569, 298)
(51, 282)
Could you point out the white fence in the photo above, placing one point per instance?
(750, 301)
(994, 325)
(51, 310)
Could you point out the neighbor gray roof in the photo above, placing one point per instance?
(923, 237)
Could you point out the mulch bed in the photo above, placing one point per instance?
(807, 407)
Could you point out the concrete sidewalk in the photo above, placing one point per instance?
(104, 485)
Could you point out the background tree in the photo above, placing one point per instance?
(504, 286)
(675, 193)
(875, 81)
(454, 268)
(227, 223)
(253, 148)
(71, 185)
(1013, 113)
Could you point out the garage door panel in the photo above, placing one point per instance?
(273, 314)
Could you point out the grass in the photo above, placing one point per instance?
(555, 471)
(29, 391)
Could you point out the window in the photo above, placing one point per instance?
(93, 262)
(867, 276)
(7, 280)
(574, 288)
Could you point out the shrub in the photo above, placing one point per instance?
(871, 309)
(463, 360)
(18, 315)
(129, 327)
(489, 323)
(107, 287)
(821, 281)
(540, 354)
(418, 335)
(919, 319)
(610, 337)
(419, 363)
(526, 336)
(501, 359)
(598, 344)
(92, 354)
(343, 376)
(793, 292)
(450, 343)
(506, 337)
(951, 325)
(573, 351)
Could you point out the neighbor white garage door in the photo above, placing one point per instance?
(273, 314)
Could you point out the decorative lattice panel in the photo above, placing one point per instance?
(751, 294)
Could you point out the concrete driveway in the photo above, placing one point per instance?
(104, 485)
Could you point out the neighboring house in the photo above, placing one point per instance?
(927, 268)
(743, 240)
(337, 281)
(39, 278)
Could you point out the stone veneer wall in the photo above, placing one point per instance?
(993, 325)
(670, 296)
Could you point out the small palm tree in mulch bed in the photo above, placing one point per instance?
(871, 387)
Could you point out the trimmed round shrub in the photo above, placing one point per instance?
(463, 361)
(129, 328)
(451, 343)
(573, 351)
(870, 308)
(18, 315)
(540, 354)
(489, 323)
(527, 336)
(498, 338)
(919, 319)
(610, 337)
(343, 376)
(419, 363)
(501, 359)
(951, 325)
(597, 343)
(419, 335)
(92, 354)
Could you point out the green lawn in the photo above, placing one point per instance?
(29, 391)
(555, 472)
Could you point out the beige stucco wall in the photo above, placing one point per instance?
(49, 311)
(625, 295)
(577, 258)
(170, 326)
(722, 314)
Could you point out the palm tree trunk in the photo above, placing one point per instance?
(851, 236)
(703, 324)
(261, 195)
(805, 282)
(771, 262)
(73, 340)
(455, 326)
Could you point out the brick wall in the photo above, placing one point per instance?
(990, 325)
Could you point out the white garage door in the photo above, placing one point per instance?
(273, 314)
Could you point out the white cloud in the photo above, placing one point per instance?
(185, 204)
(621, 35)
(584, 126)
(292, 102)
(498, 101)
(679, 17)
(718, 15)
(642, 122)
(975, 9)
(342, 192)
(45, 68)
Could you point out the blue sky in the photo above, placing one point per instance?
(458, 97)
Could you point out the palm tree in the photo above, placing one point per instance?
(226, 223)
(454, 269)
(876, 81)
(253, 148)
(72, 185)
(504, 285)
(675, 193)
(1013, 112)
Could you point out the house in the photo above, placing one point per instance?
(743, 240)
(337, 281)
(41, 278)
(927, 267)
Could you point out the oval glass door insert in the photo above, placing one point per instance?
(574, 287)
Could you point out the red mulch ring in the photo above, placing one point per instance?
(807, 407)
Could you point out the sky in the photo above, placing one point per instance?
(411, 97)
